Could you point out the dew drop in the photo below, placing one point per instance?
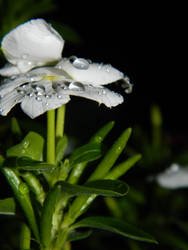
(76, 86)
(24, 56)
(59, 96)
(38, 98)
(79, 63)
(26, 144)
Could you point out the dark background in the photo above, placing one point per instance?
(146, 42)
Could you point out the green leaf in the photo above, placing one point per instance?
(111, 156)
(2, 159)
(21, 192)
(99, 187)
(100, 135)
(7, 206)
(61, 147)
(73, 236)
(31, 146)
(115, 225)
(15, 127)
(48, 210)
(123, 167)
(86, 153)
(26, 163)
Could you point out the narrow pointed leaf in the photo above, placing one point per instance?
(99, 187)
(7, 206)
(111, 156)
(31, 146)
(61, 147)
(100, 135)
(123, 167)
(15, 127)
(47, 214)
(86, 153)
(21, 192)
(26, 163)
(115, 225)
(73, 236)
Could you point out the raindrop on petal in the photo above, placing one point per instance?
(76, 86)
(79, 63)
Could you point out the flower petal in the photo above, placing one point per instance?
(86, 72)
(9, 101)
(35, 106)
(32, 44)
(98, 94)
(11, 84)
(9, 70)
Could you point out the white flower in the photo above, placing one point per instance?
(45, 88)
(34, 43)
(173, 177)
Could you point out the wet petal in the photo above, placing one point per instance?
(32, 44)
(35, 106)
(9, 70)
(90, 73)
(9, 101)
(98, 94)
(11, 84)
(174, 177)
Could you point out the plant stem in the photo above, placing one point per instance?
(25, 237)
(60, 121)
(51, 136)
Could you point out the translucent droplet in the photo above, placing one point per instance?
(24, 56)
(79, 63)
(26, 144)
(76, 86)
(104, 92)
(59, 96)
(38, 98)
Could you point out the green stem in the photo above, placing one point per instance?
(60, 121)
(25, 237)
(51, 136)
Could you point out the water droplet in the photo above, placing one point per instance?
(104, 92)
(38, 98)
(59, 96)
(20, 91)
(100, 66)
(31, 94)
(76, 86)
(24, 56)
(79, 63)
(26, 144)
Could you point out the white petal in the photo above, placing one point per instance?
(100, 95)
(32, 44)
(34, 107)
(174, 177)
(90, 73)
(9, 70)
(9, 84)
(49, 72)
(9, 101)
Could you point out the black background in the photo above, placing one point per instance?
(146, 42)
